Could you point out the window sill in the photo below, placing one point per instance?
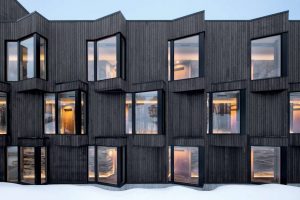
(32, 85)
(187, 85)
(266, 85)
(110, 85)
(227, 140)
(68, 140)
(147, 140)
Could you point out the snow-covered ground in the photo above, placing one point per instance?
(74, 192)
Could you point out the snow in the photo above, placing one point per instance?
(75, 192)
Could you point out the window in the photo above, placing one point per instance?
(70, 110)
(26, 58)
(3, 113)
(106, 58)
(186, 57)
(27, 165)
(295, 112)
(91, 164)
(224, 112)
(265, 164)
(144, 112)
(43, 165)
(266, 57)
(12, 164)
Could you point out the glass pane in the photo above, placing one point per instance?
(107, 58)
(226, 112)
(107, 165)
(83, 112)
(91, 160)
(3, 114)
(128, 111)
(169, 164)
(186, 165)
(169, 61)
(146, 113)
(49, 113)
(43, 71)
(91, 63)
(186, 58)
(27, 165)
(265, 164)
(295, 112)
(266, 57)
(27, 59)
(66, 113)
(207, 113)
(12, 164)
(12, 61)
(43, 165)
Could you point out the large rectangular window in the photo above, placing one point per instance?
(66, 113)
(265, 164)
(295, 112)
(106, 58)
(185, 57)
(49, 113)
(225, 109)
(27, 165)
(3, 113)
(26, 58)
(144, 112)
(266, 57)
(12, 164)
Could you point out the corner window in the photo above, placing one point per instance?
(295, 112)
(144, 112)
(265, 164)
(3, 113)
(106, 58)
(186, 57)
(12, 172)
(26, 58)
(224, 112)
(266, 57)
(70, 110)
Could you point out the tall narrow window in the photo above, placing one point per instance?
(3, 113)
(169, 163)
(83, 112)
(295, 112)
(66, 113)
(265, 164)
(49, 113)
(91, 61)
(43, 165)
(226, 112)
(27, 58)
(107, 165)
(27, 165)
(91, 163)
(43, 48)
(12, 61)
(128, 111)
(266, 57)
(186, 165)
(169, 60)
(12, 164)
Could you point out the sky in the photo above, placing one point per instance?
(161, 9)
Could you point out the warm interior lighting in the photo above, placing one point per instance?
(262, 57)
(232, 101)
(12, 58)
(111, 155)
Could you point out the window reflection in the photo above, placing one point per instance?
(43, 71)
(146, 113)
(27, 58)
(107, 165)
(226, 113)
(91, 163)
(27, 165)
(169, 163)
(83, 112)
(128, 113)
(266, 57)
(107, 58)
(186, 58)
(295, 112)
(12, 164)
(91, 59)
(49, 113)
(3, 113)
(186, 165)
(265, 164)
(43, 165)
(12, 61)
(66, 112)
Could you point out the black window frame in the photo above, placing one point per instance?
(121, 165)
(201, 165)
(160, 112)
(201, 56)
(78, 113)
(36, 40)
(289, 113)
(242, 103)
(283, 53)
(120, 57)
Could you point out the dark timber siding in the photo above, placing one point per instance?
(227, 67)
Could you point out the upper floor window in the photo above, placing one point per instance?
(266, 57)
(26, 58)
(106, 58)
(295, 112)
(65, 113)
(144, 112)
(186, 57)
(3, 113)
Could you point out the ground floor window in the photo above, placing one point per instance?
(12, 161)
(265, 164)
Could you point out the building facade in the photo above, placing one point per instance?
(114, 101)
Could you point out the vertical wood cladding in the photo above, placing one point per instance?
(293, 166)
(11, 10)
(2, 163)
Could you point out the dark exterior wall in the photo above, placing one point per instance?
(11, 10)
